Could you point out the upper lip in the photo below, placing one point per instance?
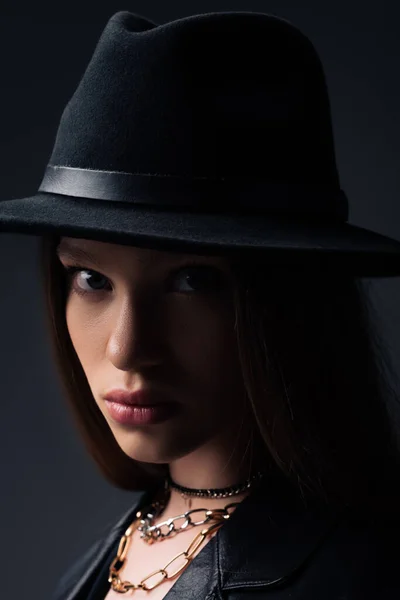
(138, 398)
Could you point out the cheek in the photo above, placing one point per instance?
(84, 332)
(205, 342)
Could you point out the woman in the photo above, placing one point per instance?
(210, 322)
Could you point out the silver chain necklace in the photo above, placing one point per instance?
(151, 533)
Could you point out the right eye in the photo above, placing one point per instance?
(88, 279)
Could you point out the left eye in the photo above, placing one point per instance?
(196, 279)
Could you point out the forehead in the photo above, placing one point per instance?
(79, 247)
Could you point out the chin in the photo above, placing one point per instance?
(147, 448)
(153, 456)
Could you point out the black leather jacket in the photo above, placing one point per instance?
(273, 547)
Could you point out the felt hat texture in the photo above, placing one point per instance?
(209, 134)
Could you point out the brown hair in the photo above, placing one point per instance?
(315, 373)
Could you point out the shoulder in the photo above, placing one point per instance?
(310, 549)
(81, 572)
(359, 560)
(367, 537)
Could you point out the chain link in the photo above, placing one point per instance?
(151, 533)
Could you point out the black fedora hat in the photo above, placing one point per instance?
(210, 133)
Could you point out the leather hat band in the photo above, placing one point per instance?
(200, 194)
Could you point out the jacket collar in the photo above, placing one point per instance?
(271, 534)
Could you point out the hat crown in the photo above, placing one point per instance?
(210, 133)
(214, 95)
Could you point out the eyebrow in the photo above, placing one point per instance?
(67, 250)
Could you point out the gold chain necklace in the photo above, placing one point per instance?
(124, 586)
(144, 523)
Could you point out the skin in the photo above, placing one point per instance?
(145, 323)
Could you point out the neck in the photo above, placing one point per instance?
(212, 467)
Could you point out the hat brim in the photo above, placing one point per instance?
(342, 247)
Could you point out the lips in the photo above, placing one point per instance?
(138, 398)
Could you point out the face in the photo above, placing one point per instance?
(163, 322)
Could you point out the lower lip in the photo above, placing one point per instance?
(141, 415)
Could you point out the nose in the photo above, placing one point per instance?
(136, 335)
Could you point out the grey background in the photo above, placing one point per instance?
(53, 499)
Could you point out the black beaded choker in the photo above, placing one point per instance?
(216, 492)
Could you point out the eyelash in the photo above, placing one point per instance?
(216, 276)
